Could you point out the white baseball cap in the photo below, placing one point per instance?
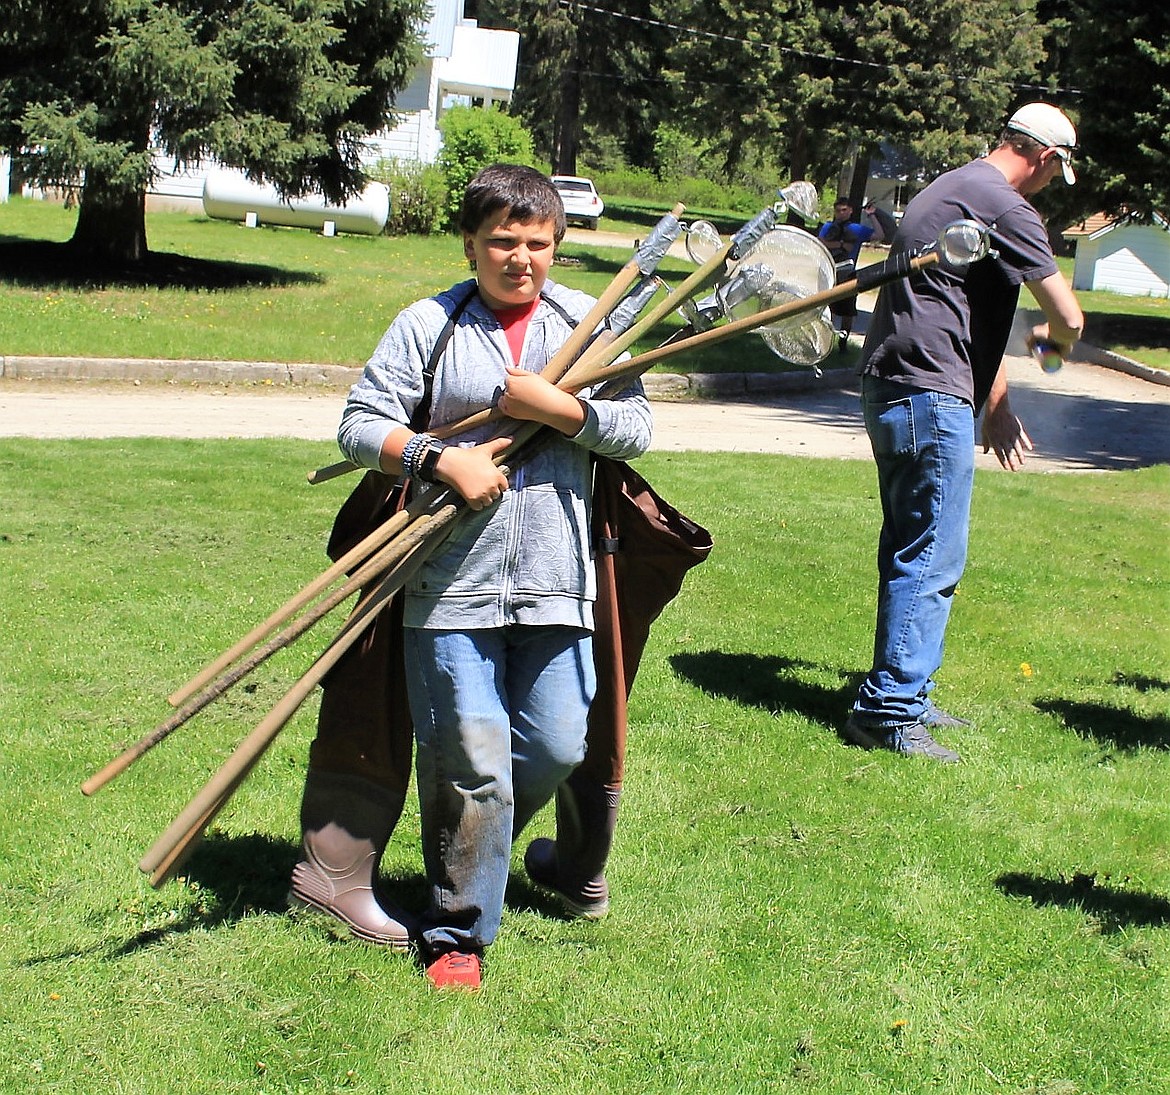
(1051, 127)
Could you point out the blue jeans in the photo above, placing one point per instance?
(499, 717)
(924, 446)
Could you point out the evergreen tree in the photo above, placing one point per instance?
(1113, 59)
(286, 91)
(823, 80)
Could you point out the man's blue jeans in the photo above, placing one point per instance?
(499, 718)
(924, 446)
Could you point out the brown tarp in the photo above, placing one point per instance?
(644, 548)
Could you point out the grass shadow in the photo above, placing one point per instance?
(1110, 329)
(1114, 908)
(771, 682)
(234, 877)
(244, 874)
(590, 260)
(1115, 727)
(1141, 683)
(633, 212)
(241, 876)
(522, 895)
(648, 214)
(39, 264)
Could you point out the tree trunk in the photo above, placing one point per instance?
(859, 184)
(798, 154)
(111, 223)
(567, 125)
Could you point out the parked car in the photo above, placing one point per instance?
(583, 205)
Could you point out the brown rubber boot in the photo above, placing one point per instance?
(573, 866)
(345, 824)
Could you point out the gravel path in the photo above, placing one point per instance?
(1085, 417)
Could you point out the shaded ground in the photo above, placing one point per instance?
(1113, 329)
(39, 264)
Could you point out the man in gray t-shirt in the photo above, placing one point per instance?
(932, 361)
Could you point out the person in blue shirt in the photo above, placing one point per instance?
(843, 236)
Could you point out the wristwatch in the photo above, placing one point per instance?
(426, 467)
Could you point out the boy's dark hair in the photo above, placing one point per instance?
(523, 191)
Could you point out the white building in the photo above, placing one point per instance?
(1121, 255)
(463, 63)
(466, 64)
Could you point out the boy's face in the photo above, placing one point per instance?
(512, 259)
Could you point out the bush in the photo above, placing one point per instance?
(638, 183)
(688, 170)
(678, 155)
(418, 197)
(474, 138)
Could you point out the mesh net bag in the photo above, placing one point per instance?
(787, 265)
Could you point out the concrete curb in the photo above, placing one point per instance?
(273, 374)
(158, 370)
(1109, 360)
(342, 377)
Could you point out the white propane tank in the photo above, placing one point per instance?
(231, 196)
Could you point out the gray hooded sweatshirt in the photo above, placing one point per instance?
(526, 559)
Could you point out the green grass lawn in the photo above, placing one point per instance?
(1135, 327)
(279, 294)
(291, 295)
(790, 914)
(636, 216)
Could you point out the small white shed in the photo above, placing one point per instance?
(1123, 256)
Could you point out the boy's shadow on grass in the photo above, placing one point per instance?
(235, 876)
(241, 876)
(1114, 909)
(770, 682)
(38, 264)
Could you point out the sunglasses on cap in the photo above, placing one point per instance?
(1065, 155)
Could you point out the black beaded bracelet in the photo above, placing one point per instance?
(412, 452)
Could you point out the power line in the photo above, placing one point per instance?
(809, 55)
